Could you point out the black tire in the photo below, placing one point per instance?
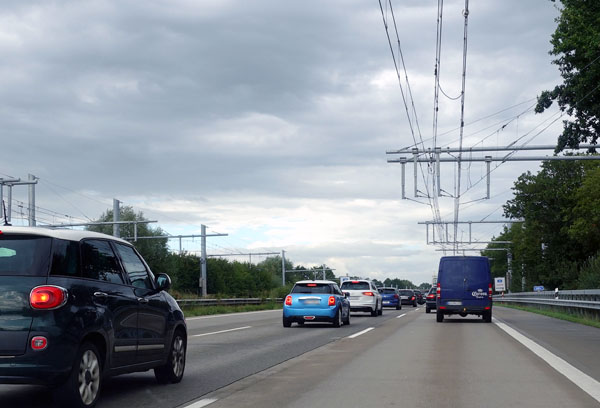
(398, 306)
(172, 371)
(287, 322)
(82, 388)
(347, 321)
(439, 317)
(414, 304)
(487, 316)
(427, 310)
(337, 320)
(380, 312)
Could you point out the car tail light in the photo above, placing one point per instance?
(396, 297)
(487, 308)
(490, 292)
(39, 343)
(355, 282)
(312, 285)
(431, 296)
(368, 293)
(47, 297)
(412, 298)
(331, 300)
(288, 300)
(442, 307)
(438, 291)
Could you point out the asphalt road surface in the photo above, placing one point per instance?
(401, 359)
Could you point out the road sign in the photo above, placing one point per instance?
(499, 284)
(538, 289)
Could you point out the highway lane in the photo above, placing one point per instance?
(221, 350)
(416, 362)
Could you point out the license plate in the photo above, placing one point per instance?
(454, 303)
(353, 297)
(312, 302)
(386, 302)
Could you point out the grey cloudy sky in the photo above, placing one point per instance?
(267, 120)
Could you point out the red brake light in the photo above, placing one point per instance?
(438, 291)
(431, 296)
(396, 296)
(331, 300)
(490, 292)
(39, 343)
(288, 300)
(368, 294)
(47, 297)
(355, 282)
(412, 298)
(312, 285)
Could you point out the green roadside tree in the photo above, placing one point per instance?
(575, 44)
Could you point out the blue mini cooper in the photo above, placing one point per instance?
(316, 301)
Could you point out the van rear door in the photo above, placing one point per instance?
(477, 279)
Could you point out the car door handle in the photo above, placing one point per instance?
(142, 300)
(101, 295)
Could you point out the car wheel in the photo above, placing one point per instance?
(414, 304)
(380, 312)
(487, 316)
(337, 320)
(439, 317)
(172, 371)
(347, 322)
(287, 322)
(398, 307)
(427, 310)
(374, 311)
(82, 388)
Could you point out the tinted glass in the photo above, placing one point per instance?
(99, 262)
(356, 285)
(134, 267)
(406, 292)
(24, 255)
(387, 291)
(65, 258)
(311, 288)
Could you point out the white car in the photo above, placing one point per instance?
(363, 296)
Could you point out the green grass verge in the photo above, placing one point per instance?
(557, 315)
(192, 311)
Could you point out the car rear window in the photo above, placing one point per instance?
(387, 291)
(406, 292)
(311, 288)
(24, 255)
(355, 285)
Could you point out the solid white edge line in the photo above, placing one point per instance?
(403, 314)
(202, 403)
(579, 378)
(361, 332)
(220, 331)
(231, 314)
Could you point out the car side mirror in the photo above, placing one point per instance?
(163, 281)
(346, 295)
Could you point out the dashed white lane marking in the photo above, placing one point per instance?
(221, 331)
(201, 403)
(231, 314)
(579, 378)
(403, 314)
(361, 333)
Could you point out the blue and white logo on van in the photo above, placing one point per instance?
(480, 294)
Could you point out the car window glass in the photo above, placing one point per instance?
(100, 262)
(387, 291)
(65, 258)
(134, 267)
(24, 255)
(311, 288)
(350, 285)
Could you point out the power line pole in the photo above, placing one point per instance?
(203, 260)
(116, 216)
(283, 267)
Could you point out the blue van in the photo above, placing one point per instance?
(464, 286)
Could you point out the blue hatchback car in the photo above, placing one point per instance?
(390, 297)
(464, 286)
(316, 301)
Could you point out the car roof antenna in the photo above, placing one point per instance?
(6, 223)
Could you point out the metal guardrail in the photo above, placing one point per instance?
(588, 299)
(227, 302)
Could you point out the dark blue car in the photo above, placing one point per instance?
(390, 298)
(464, 286)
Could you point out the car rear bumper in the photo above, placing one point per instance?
(430, 305)
(390, 303)
(451, 309)
(300, 314)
